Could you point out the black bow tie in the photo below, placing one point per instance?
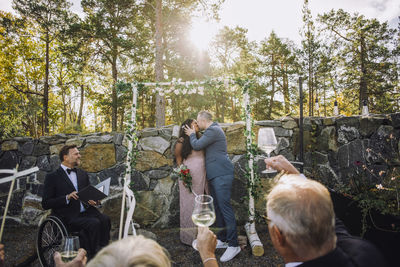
(71, 170)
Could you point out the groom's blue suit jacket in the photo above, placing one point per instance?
(213, 141)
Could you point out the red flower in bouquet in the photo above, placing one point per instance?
(184, 175)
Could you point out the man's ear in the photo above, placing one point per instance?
(278, 236)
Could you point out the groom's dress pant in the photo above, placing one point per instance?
(225, 217)
(96, 228)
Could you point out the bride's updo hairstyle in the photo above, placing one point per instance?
(185, 140)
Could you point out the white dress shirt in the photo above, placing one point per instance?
(74, 179)
(293, 264)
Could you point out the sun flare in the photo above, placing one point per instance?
(202, 33)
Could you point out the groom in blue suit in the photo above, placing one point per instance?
(219, 170)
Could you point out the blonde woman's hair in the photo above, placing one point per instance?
(134, 251)
(302, 209)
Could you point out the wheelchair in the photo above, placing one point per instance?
(49, 239)
(52, 231)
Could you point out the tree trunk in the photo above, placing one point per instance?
(216, 106)
(286, 91)
(121, 126)
(46, 88)
(35, 126)
(114, 115)
(233, 108)
(96, 127)
(363, 80)
(142, 109)
(310, 83)
(315, 91)
(223, 109)
(159, 68)
(81, 105)
(64, 107)
(271, 102)
(324, 97)
(152, 117)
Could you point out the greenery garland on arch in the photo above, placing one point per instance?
(131, 158)
(253, 180)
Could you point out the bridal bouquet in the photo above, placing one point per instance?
(184, 175)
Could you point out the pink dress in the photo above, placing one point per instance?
(196, 164)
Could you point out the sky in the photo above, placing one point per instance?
(260, 17)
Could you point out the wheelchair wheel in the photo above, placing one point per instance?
(50, 236)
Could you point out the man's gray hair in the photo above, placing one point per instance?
(205, 115)
(302, 210)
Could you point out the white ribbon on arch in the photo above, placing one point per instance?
(14, 175)
(127, 192)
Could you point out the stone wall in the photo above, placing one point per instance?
(335, 150)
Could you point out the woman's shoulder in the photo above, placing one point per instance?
(178, 144)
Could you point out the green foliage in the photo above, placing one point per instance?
(21, 74)
(362, 49)
(88, 58)
(382, 197)
(277, 63)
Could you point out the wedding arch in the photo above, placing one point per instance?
(192, 87)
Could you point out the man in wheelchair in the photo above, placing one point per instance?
(60, 195)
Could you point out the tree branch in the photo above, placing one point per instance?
(335, 31)
(26, 92)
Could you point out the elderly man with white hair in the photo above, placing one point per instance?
(303, 228)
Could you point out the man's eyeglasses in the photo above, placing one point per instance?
(268, 220)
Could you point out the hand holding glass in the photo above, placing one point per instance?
(267, 143)
(203, 213)
(69, 248)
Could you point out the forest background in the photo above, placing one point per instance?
(64, 73)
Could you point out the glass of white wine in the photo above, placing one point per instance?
(203, 213)
(267, 143)
(69, 248)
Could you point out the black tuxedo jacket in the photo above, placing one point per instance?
(350, 251)
(57, 186)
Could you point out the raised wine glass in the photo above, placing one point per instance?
(69, 248)
(203, 213)
(267, 143)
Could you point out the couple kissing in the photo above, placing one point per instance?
(212, 173)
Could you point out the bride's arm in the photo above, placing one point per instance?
(178, 153)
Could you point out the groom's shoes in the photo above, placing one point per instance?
(229, 254)
(221, 244)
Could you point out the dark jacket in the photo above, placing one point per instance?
(56, 186)
(350, 251)
(213, 141)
